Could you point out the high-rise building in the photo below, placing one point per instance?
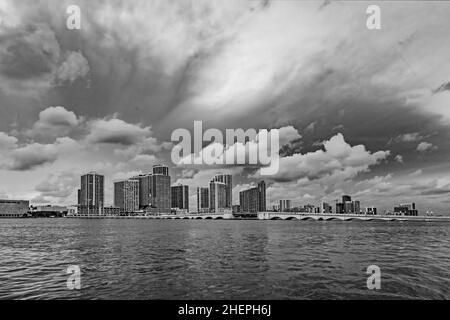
(346, 198)
(348, 207)
(356, 207)
(285, 205)
(161, 170)
(145, 190)
(254, 199)
(325, 208)
(406, 210)
(161, 193)
(126, 195)
(180, 197)
(262, 196)
(92, 194)
(228, 180)
(202, 199)
(217, 196)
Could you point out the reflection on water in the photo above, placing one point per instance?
(192, 259)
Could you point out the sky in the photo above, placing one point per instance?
(360, 112)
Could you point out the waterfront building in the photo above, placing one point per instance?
(348, 206)
(406, 210)
(180, 197)
(92, 194)
(254, 199)
(285, 205)
(72, 210)
(346, 198)
(48, 211)
(227, 179)
(14, 208)
(357, 207)
(202, 199)
(126, 195)
(325, 208)
(217, 196)
(111, 211)
(371, 211)
(309, 208)
(160, 169)
(161, 192)
(145, 190)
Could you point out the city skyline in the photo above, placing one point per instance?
(107, 97)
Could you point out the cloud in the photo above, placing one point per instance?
(399, 158)
(337, 160)
(58, 185)
(30, 156)
(425, 146)
(7, 142)
(32, 61)
(54, 122)
(75, 66)
(116, 131)
(409, 137)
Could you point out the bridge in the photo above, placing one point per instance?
(187, 216)
(276, 216)
(344, 217)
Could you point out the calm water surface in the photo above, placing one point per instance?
(192, 259)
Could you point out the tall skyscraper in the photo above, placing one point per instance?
(92, 194)
(126, 195)
(217, 196)
(227, 179)
(180, 197)
(161, 170)
(161, 193)
(254, 199)
(346, 198)
(325, 208)
(202, 199)
(145, 190)
(285, 205)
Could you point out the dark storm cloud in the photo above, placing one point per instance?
(28, 52)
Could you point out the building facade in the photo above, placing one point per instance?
(408, 209)
(285, 205)
(145, 190)
(202, 199)
(161, 192)
(126, 195)
(254, 199)
(92, 194)
(217, 196)
(14, 208)
(227, 179)
(180, 197)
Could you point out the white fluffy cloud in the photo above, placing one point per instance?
(75, 66)
(54, 122)
(338, 159)
(425, 146)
